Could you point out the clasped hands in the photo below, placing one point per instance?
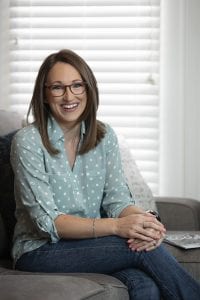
(143, 230)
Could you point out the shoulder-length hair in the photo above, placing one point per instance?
(95, 130)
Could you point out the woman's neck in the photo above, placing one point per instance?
(71, 134)
(72, 138)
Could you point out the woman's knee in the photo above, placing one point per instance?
(139, 284)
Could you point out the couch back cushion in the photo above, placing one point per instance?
(9, 121)
(7, 201)
(3, 238)
(138, 187)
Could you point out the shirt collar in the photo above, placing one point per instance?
(55, 131)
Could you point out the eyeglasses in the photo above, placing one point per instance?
(59, 89)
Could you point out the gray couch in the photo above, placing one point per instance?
(177, 214)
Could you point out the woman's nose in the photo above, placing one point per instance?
(68, 94)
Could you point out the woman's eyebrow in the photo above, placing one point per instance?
(61, 82)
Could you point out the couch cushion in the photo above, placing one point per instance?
(39, 287)
(7, 202)
(190, 259)
(3, 238)
(139, 189)
(179, 213)
(49, 287)
(10, 121)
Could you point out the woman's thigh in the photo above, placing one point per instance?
(102, 255)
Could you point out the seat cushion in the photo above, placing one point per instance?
(23, 287)
(37, 287)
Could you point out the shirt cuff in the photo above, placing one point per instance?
(47, 226)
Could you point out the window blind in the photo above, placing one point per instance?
(119, 40)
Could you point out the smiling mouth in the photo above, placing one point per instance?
(69, 106)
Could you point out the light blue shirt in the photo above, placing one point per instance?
(46, 186)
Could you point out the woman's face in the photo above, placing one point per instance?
(68, 107)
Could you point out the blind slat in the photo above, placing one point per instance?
(18, 3)
(91, 55)
(118, 66)
(105, 22)
(89, 33)
(87, 11)
(104, 77)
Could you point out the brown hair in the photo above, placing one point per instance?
(95, 130)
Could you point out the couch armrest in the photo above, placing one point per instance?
(179, 213)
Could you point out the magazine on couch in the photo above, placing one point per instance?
(183, 239)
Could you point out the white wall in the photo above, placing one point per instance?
(180, 97)
(4, 53)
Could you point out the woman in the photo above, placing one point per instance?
(74, 210)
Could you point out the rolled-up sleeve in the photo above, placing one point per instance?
(116, 194)
(34, 198)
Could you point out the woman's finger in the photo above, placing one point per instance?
(149, 232)
(140, 245)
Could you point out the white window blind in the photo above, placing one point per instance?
(119, 40)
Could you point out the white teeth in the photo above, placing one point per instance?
(70, 106)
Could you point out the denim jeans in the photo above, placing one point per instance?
(148, 275)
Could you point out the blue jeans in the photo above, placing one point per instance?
(148, 275)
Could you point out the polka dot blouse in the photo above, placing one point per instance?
(46, 186)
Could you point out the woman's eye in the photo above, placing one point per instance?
(77, 85)
(56, 87)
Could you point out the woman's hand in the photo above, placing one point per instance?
(139, 245)
(141, 226)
